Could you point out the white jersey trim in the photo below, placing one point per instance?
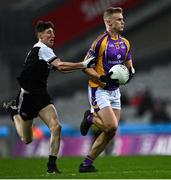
(45, 52)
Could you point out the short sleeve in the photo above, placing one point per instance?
(46, 54)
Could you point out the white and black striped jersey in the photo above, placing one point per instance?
(34, 75)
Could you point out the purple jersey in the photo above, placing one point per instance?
(109, 52)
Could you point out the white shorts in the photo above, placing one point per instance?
(100, 98)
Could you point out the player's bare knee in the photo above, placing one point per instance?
(56, 129)
(111, 128)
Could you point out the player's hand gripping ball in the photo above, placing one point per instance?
(120, 72)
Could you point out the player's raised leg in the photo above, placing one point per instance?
(109, 122)
(23, 127)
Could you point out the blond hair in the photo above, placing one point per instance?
(111, 10)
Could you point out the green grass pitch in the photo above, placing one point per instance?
(109, 167)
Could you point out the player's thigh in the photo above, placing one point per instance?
(26, 127)
(98, 98)
(49, 115)
(25, 103)
(101, 101)
(108, 117)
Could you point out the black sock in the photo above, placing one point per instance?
(52, 160)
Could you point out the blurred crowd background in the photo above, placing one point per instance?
(146, 100)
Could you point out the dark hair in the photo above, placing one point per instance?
(111, 10)
(42, 25)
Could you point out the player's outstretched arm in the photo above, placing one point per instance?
(71, 66)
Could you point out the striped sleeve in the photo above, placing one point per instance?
(94, 49)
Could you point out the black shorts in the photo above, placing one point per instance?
(30, 104)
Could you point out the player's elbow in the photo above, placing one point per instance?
(87, 71)
(60, 68)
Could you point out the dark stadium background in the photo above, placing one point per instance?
(144, 128)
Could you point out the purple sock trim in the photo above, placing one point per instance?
(88, 161)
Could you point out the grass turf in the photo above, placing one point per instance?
(128, 167)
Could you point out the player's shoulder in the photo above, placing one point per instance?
(125, 40)
(101, 36)
(98, 39)
(42, 47)
(40, 44)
